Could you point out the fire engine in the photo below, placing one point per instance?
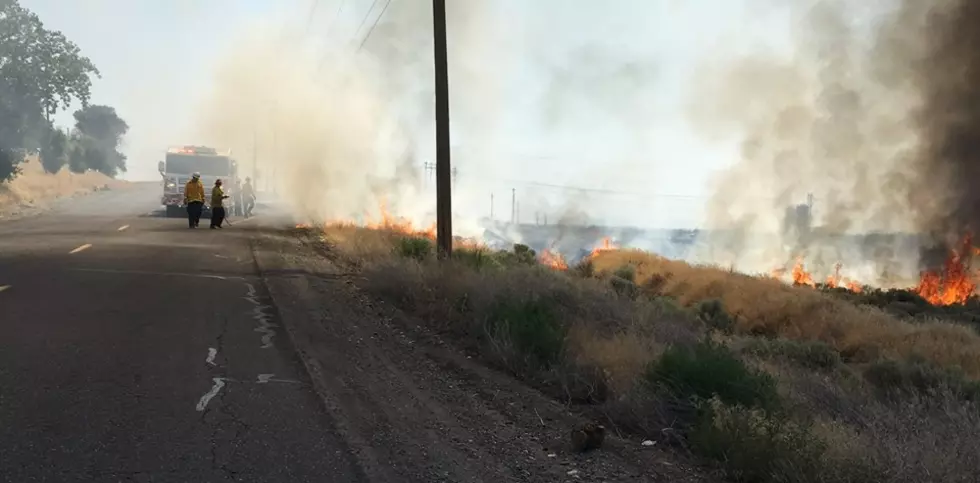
(182, 162)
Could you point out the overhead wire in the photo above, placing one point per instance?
(375, 24)
(367, 15)
(309, 17)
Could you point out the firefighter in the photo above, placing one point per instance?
(249, 197)
(217, 205)
(194, 199)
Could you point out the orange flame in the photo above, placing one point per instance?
(390, 222)
(801, 276)
(953, 284)
(553, 260)
(837, 281)
(606, 246)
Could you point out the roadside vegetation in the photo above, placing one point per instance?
(43, 73)
(762, 381)
(34, 187)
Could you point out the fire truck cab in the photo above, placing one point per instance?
(182, 162)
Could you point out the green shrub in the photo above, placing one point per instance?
(712, 313)
(585, 269)
(754, 446)
(626, 272)
(711, 370)
(920, 376)
(809, 354)
(418, 248)
(531, 328)
(525, 255)
(478, 258)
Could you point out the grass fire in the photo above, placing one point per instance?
(619, 330)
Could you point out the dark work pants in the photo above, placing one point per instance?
(217, 216)
(194, 209)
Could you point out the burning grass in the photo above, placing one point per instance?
(769, 308)
(770, 382)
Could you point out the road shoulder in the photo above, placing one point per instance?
(414, 408)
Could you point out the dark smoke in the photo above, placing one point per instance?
(883, 130)
(949, 121)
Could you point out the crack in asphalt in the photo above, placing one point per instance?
(238, 425)
(260, 315)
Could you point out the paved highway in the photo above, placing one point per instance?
(135, 349)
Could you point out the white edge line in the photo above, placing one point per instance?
(83, 247)
(122, 228)
(4, 287)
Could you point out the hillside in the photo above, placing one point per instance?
(34, 189)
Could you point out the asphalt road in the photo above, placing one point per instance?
(135, 349)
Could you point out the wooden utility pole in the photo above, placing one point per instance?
(444, 206)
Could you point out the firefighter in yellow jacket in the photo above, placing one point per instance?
(218, 197)
(194, 199)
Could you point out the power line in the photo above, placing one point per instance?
(309, 17)
(596, 190)
(367, 15)
(375, 24)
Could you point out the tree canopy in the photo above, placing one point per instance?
(98, 134)
(41, 73)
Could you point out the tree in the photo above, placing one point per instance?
(54, 152)
(76, 155)
(41, 72)
(101, 131)
(9, 164)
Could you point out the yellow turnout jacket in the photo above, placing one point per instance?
(217, 196)
(194, 191)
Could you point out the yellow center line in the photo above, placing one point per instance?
(4, 288)
(83, 247)
(121, 228)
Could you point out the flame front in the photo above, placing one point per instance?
(953, 284)
(606, 246)
(401, 225)
(837, 281)
(801, 276)
(553, 260)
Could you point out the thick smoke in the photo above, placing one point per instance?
(949, 120)
(337, 130)
(872, 115)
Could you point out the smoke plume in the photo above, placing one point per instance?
(338, 129)
(874, 114)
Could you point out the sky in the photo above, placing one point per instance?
(587, 94)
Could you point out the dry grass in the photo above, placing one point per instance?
(770, 308)
(33, 187)
(611, 344)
